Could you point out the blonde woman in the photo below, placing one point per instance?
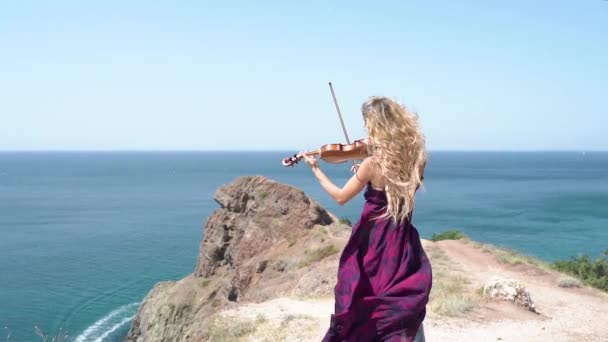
(384, 275)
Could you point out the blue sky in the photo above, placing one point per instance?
(152, 75)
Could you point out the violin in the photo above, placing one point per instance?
(334, 153)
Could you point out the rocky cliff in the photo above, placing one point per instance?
(266, 240)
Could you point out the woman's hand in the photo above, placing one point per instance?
(310, 160)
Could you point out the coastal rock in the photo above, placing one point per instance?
(259, 245)
(258, 213)
(509, 290)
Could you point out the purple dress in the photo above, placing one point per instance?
(384, 279)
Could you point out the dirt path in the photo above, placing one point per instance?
(564, 314)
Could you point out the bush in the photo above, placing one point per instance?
(569, 282)
(590, 272)
(346, 221)
(448, 235)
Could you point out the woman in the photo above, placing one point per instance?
(384, 275)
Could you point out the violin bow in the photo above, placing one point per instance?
(340, 115)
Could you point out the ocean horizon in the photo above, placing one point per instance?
(87, 233)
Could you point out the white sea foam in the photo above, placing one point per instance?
(113, 328)
(107, 324)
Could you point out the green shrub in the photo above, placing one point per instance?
(346, 221)
(590, 272)
(448, 235)
(569, 282)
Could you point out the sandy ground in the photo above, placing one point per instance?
(564, 314)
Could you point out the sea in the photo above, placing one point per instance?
(85, 235)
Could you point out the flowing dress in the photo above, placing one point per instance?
(384, 279)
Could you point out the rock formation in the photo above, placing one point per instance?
(509, 290)
(266, 240)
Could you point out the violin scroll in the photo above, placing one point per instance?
(291, 161)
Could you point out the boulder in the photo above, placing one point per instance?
(510, 290)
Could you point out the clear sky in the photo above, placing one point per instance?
(228, 75)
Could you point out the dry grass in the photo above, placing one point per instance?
(228, 329)
(320, 235)
(290, 318)
(289, 328)
(62, 336)
(318, 254)
(509, 256)
(449, 295)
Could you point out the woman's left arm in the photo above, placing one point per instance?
(354, 185)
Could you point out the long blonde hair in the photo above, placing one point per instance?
(397, 145)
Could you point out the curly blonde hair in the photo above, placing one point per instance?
(397, 145)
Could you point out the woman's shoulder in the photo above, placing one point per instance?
(369, 165)
(366, 171)
(371, 161)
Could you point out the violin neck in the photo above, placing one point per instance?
(312, 153)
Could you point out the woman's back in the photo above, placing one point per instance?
(378, 181)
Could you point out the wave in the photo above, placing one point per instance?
(114, 328)
(108, 324)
